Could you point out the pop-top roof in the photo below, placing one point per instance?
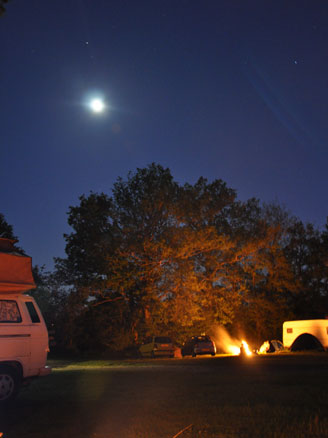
(15, 269)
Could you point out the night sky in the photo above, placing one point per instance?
(230, 89)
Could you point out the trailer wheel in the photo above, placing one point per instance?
(10, 383)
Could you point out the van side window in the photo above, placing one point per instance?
(9, 312)
(32, 311)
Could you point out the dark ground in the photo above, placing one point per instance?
(272, 396)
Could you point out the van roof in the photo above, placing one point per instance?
(15, 269)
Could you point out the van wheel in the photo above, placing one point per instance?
(10, 383)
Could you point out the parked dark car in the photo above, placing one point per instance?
(198, 345)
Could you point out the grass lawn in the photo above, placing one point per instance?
(222, 397)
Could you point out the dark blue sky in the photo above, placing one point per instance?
(228, 89)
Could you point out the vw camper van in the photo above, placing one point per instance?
(23, 332)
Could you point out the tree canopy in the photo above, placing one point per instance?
(157, 256)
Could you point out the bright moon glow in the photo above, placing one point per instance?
(97, 105)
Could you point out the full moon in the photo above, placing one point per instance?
(97, 105)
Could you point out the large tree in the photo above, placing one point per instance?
(157, 256)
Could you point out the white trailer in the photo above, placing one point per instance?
(305, 333)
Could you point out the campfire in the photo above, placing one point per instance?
(265, 347)
(239, 348)
(244, 349)
(231, 345)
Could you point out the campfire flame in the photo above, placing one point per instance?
(246, 348)
(230, 345)
(233, 349)
(265, 347)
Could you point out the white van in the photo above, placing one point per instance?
(23, 332)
